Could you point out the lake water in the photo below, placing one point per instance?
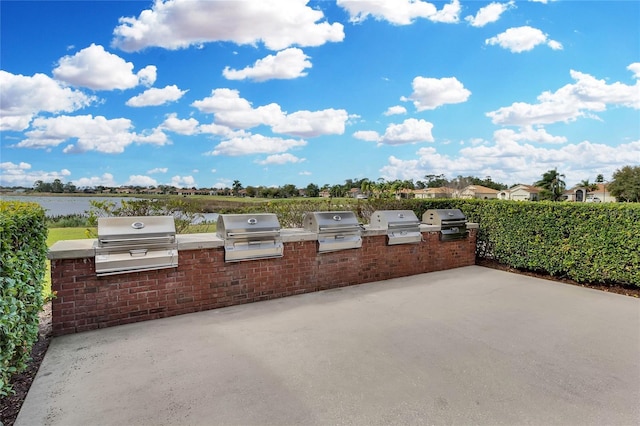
(62, 206)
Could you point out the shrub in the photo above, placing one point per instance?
(67, 221)
(23, 251)
(597, 243)
(184, 212)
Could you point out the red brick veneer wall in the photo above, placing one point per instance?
(204, 281)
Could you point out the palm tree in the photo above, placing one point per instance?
(590, 187)
(553, 185)
(366, 187)
(237, 187)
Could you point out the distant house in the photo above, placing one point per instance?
(478, 191)
(520, 193)
(124, 190)
(354, 192)
(325, 194)
(581, 194)
(431, 193)
(405, 193)
(185, 192)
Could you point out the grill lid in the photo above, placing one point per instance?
(247, 225)
(443, 217)
(390, 219)
(338, 221)
(132, 229)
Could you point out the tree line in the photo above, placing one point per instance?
(624, 185)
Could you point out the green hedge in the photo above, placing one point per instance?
(597, 243)
(586, 242)
(23, 251)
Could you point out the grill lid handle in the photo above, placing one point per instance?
(138, 252)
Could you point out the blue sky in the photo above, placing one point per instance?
(202, 93)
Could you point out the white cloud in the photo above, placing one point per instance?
(488, 14)
(305, 173)
(430, 93)
(12, 174)
(231, 110)
(90, 133)
(280, 159)
(449, 14)
(312, 123)
(219, 130)
(91, 182)
(155, 96)
(181, 126)
(175, 24)
(367, 135)
(635, 69)
(285, 65)
(400, 12)
(23, 97)
(528, 133)
(97, 69)
(87, 133)
(183, 181)
(155, 137)
(158, 170)
(585, 96)
(141, 180)
(510, 162)
(522, 39)
(255, 144)
(395, 110)
(410, 131)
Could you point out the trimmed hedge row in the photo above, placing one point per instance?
(23, 253)
(587, 242)
(595, 243)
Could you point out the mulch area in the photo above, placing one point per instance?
(10, 406)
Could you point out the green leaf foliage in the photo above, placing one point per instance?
(23, 251)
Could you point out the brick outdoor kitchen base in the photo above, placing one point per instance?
(204, 281)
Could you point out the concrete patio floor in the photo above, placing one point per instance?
(464, 346)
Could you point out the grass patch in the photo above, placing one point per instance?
(55, 235)
(59, 234)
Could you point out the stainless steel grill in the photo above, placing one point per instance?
(132, 244)
(402, 226)
(336, 230)
(452, 222)
(250, 236)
